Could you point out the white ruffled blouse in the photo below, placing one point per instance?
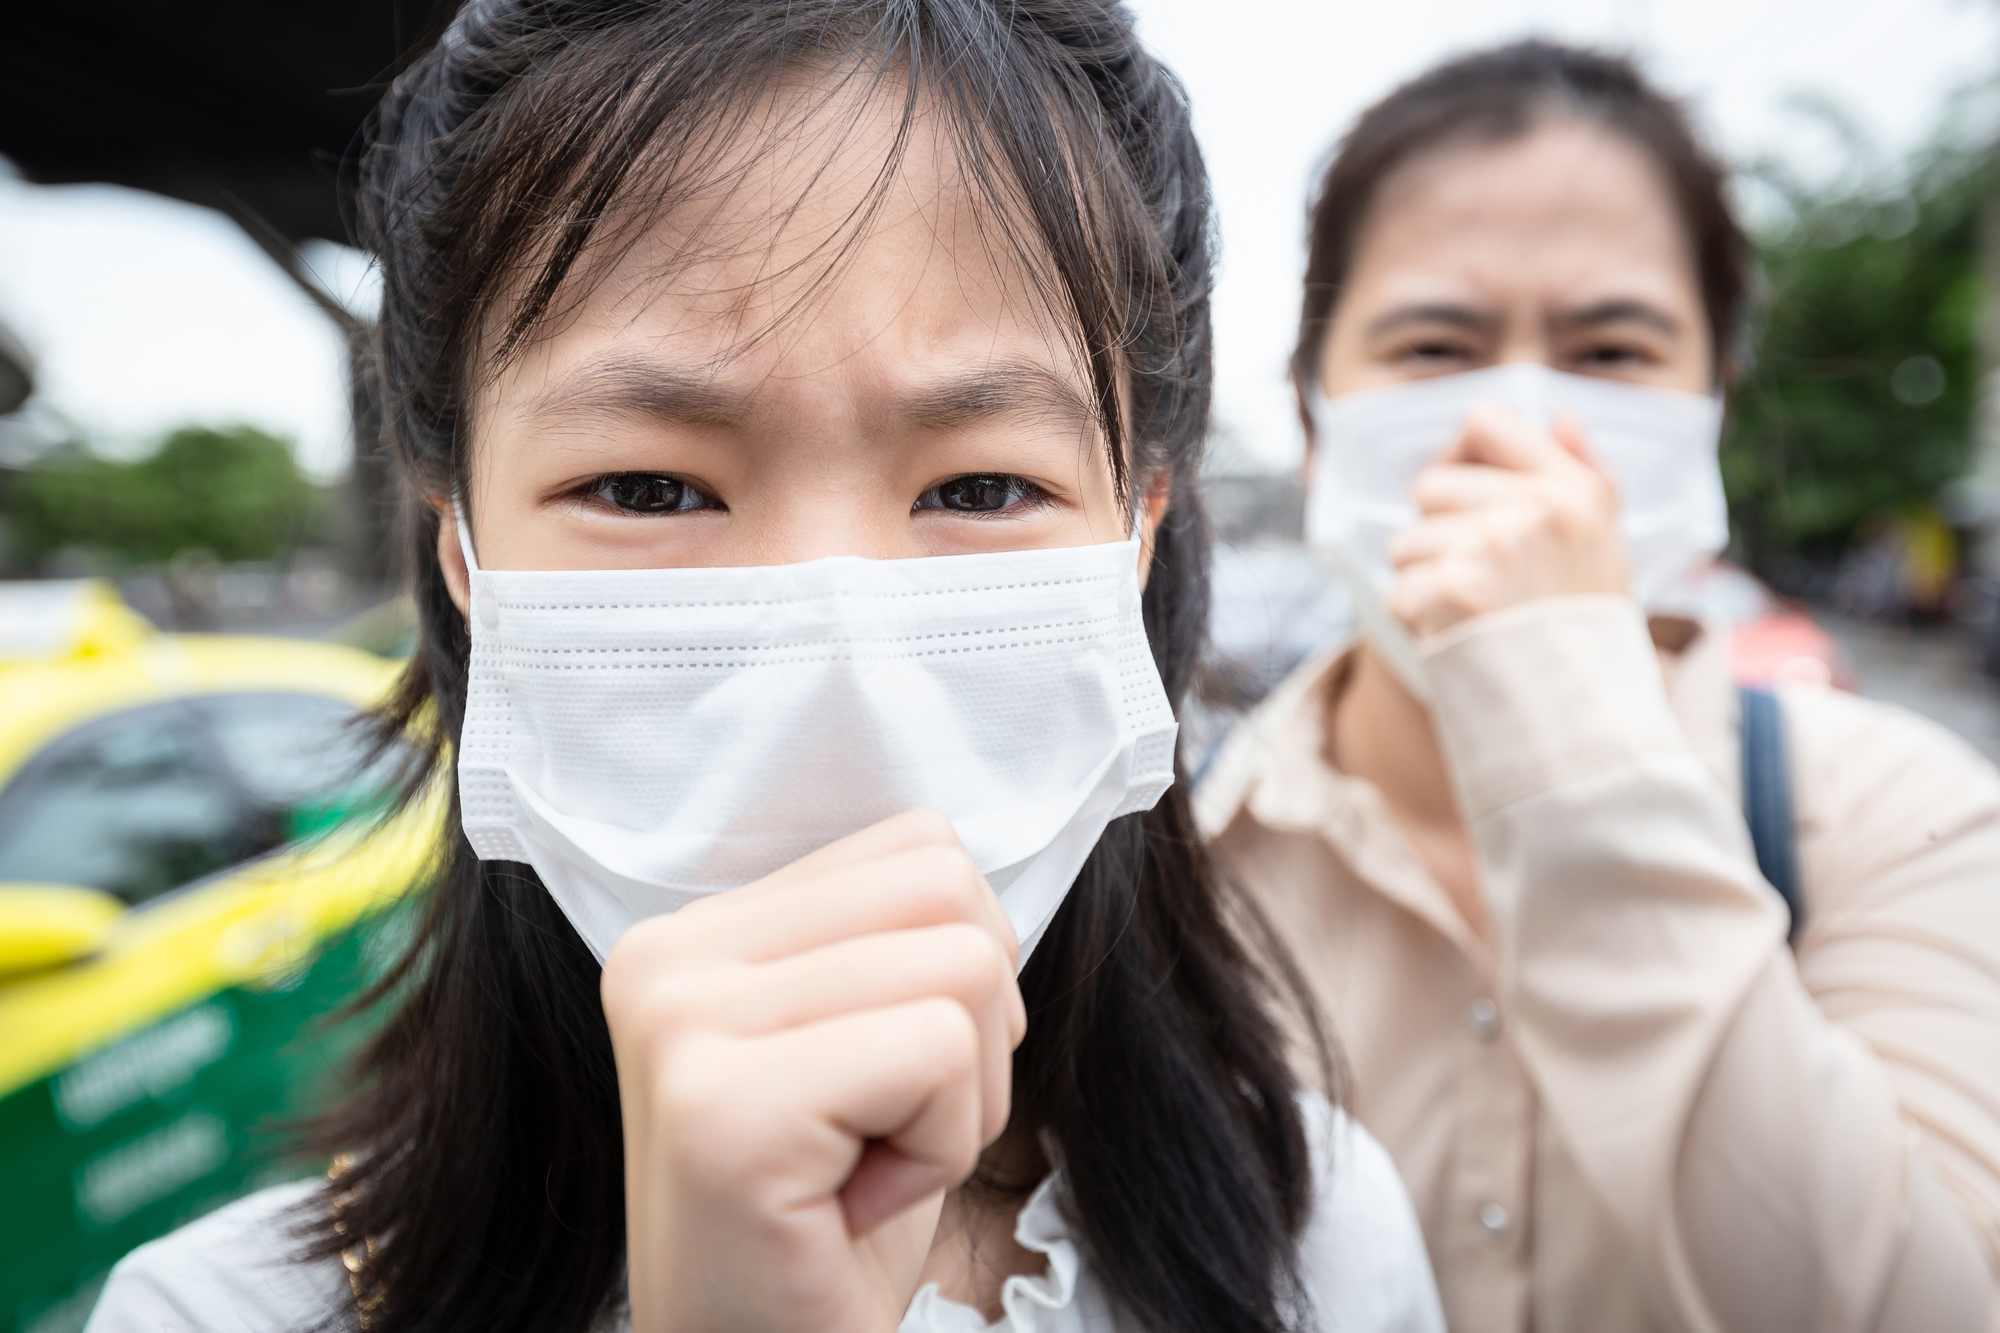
(1362, 1259)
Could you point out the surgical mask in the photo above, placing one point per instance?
(646, 737)
(1658, 444)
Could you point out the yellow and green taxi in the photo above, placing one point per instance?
(194, 872)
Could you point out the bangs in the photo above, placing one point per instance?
(589, 151)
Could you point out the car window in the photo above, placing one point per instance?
(300, 758)
(146, 800)
(136, 804)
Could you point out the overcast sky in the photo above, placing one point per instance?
(145, 314)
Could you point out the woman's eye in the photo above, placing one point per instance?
(982, 493)
(649, 493)
(1433, 352)
(1615, 354)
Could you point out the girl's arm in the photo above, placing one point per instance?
(805, 1066)
(1777, 1162)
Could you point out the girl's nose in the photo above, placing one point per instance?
(813, 527)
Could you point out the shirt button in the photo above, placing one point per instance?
(1483, 1017)
(1493, 1220)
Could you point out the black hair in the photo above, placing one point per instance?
(484, 1125)
(1501, 94)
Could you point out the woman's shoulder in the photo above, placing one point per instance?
(1362, 1256)
(237, 1270)
(1879, 790)
(1879, 737)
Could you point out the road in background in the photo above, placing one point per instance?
(1927, 669)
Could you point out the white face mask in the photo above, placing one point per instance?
(644, 737)
(1660, 446)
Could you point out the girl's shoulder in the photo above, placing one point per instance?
(237, 1270)
(1362, 1256)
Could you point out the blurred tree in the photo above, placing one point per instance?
(1857, 395)
(236, 493)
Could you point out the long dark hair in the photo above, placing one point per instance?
(1501, 94)
(485, 1127)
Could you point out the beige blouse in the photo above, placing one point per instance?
(1636, 1108)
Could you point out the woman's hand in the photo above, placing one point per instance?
(805, 1066)
(1510, 514)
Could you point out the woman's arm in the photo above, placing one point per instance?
(1771, 1164)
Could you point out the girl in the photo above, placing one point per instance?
(1504, 834)
(801, 397)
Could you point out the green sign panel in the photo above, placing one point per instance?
(164, 1125)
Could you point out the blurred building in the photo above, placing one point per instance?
(249, 108)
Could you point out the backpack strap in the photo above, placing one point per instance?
(1767, 798)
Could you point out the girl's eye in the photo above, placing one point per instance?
(983, 493)
(648, 493)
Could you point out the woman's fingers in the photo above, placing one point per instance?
(1440, 535)
(1499, 458)
(1569, 433)
(1511, 514)
(1444, 488)
(1499, 436)
(1437, 594)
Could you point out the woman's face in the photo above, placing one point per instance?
(746, 407)
(1561, 247)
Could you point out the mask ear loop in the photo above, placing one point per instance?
(1138, 519)
(464, 533)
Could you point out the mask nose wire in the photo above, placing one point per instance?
(464, 533)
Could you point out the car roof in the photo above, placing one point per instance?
(111, 659)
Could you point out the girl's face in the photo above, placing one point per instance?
(1561, 247)
(747, 406)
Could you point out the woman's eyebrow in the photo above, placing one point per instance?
(635, 386)
(1470, 318)
(1619, 310)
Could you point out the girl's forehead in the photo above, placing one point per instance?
(825, 231)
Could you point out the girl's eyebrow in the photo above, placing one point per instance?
(637, 386)
(1007, 388)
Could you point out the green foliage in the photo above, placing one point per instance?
(1859, 395)
(236, 494)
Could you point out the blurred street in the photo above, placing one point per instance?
(1926, 669)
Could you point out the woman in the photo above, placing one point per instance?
(800, 397)
(1502, 835)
